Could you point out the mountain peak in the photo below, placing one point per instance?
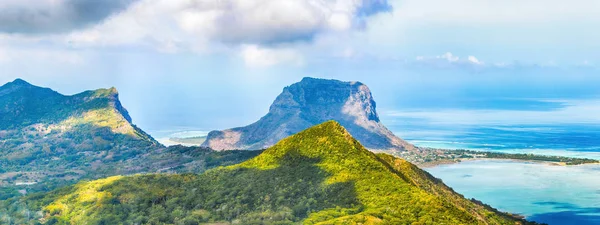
(323, 80)
(331, 124)
(20, 82)
(307, 103)
(326, 141)
(110, 94)
(107, 92)
(21, 88)
(319, 100)
(326, 129)
(17, 83)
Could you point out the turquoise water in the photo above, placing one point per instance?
(541, 192)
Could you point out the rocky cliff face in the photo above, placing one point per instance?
(307, 103)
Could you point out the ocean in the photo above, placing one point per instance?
(541, 192)
(574, 140)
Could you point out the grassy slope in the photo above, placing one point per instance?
(318, 176)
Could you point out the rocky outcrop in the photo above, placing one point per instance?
(310, 102)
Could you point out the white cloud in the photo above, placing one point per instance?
(201, 22)
(448, 56)
(54, 16)
(255, 56)
(474, 60)
(258, 28)
(447, 60)
(209, 26)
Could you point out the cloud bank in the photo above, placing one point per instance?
(55, 16)
(185, 24)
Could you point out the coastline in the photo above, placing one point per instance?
(432, 157)
(449, 162)
(537, 190)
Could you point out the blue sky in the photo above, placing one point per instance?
(201, 64)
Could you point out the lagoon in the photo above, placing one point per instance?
(539, 191)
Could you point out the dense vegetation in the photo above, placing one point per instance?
(521, 156)
(174, 159)
(435, 186)
(49, 140)
(321, 175)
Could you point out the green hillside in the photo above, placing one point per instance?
(319, 176)
(47, 138)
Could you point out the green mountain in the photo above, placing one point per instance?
(46, 135)
(49, 140)
(321, 175)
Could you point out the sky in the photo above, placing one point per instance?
(206, 64)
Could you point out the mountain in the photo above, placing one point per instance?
(307, 103)
(321, 175)
(25, 105)
(45, 135)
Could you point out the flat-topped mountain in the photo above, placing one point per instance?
(307, 103)
(23, 104)
(46, 134)
(318, 176)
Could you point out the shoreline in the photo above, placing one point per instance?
(449, 162)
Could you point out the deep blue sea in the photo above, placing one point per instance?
(576, 140)
(541, 192)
